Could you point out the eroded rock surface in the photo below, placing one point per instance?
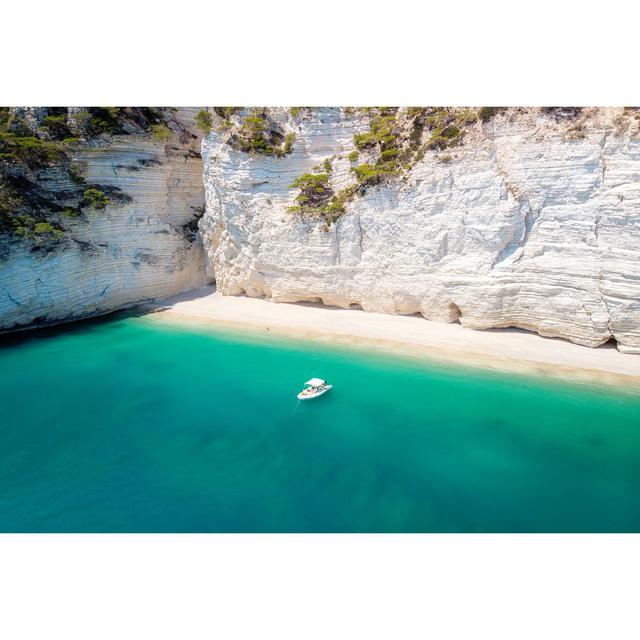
(144, 246)
(532, 222)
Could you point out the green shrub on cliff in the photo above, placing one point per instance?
(318, 200)
(447, 127)
(225, 112)
(75, 173)
(29, 150)
(486, 113)
(289, 139)
(382, 131)
(252, 134)
(259, 135)
(80, 119)
(160, 132)
(95, 198)
(287, 147)
(311, 181)
(5, 118)
(57, 126)
(369, 174)
(103, 120)
(43, 227)
(26, 226)
(315, 191)
(203, 121)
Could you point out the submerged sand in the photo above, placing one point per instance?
(511, 350)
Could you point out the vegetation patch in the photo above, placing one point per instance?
(160, 132)
(396, 139)
(394, 142)
(95, 198)
(386, 140)
(317, 199)
(46, 228)
(297, 112)
(258, 134)
(120, 120)
(448, 127)
(289, 139)
(79, 120)
(383, 131)
(392, 139)
(370, 174)
(314, 189)
(225, 112)
(487, 113)
(57, 127)
(31, 211)
(253, 136)
(203, 121)
(5, 118)
(29, 150)
(75, 173)
(18, 221)
(25, 205)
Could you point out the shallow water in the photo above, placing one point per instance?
(128, 425)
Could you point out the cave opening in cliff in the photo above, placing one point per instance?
(454, 312)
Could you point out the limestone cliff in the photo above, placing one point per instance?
(531, 219)
(141, 242)
(493, 218)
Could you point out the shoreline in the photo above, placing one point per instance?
(506, 350)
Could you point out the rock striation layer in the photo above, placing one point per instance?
(144, 247)
(533, 222)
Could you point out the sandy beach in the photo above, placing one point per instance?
(511, 350)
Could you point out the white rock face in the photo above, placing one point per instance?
(123, 254)
(524, 227)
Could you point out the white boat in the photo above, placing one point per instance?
(314, 388)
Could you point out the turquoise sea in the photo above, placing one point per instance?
(127, 425)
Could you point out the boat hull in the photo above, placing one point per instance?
(315, 395)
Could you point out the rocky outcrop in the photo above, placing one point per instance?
(532, 222)
(143, 245)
